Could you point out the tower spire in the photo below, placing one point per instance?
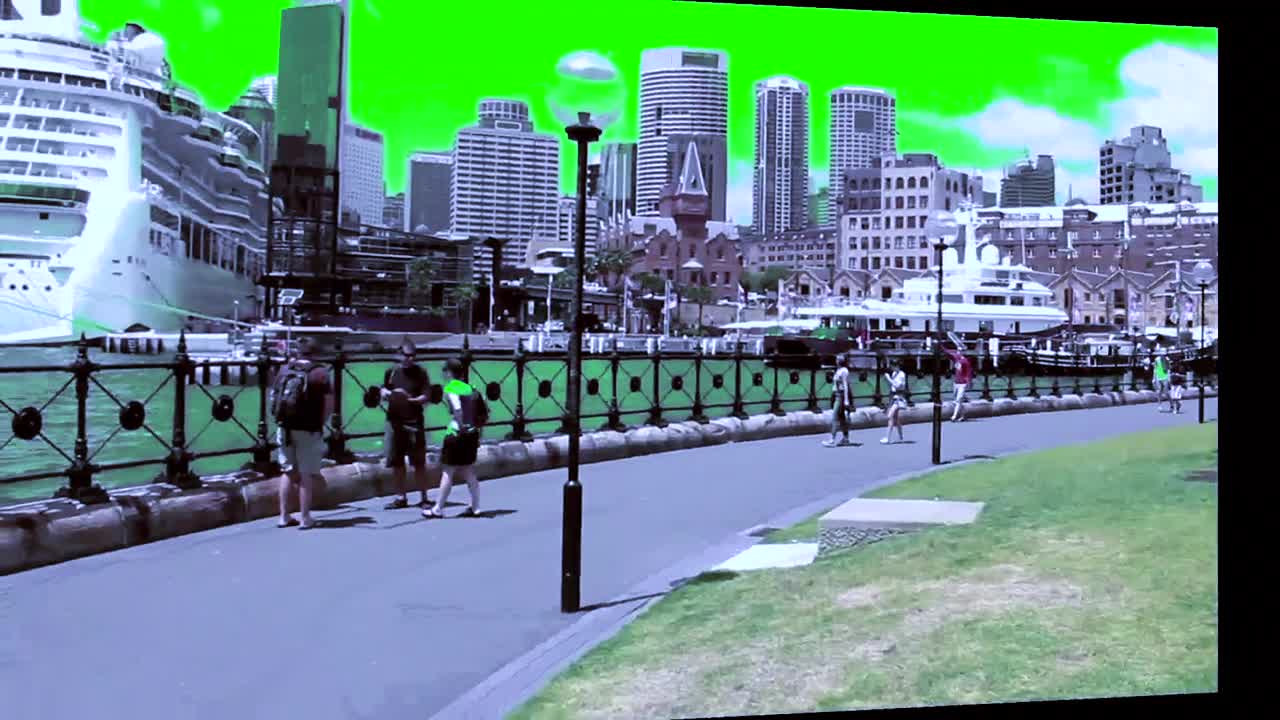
(691, 180)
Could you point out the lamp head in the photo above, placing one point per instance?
(942, 228)
(1203, 273)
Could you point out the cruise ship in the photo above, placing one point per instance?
(981, 294)
(124, 203)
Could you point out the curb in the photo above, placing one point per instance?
(53, 531)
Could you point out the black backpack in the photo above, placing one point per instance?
(289, 403)
(475, 412)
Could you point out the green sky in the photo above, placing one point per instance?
(975, 90)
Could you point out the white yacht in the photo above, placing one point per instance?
(981, 292)
(123, 202)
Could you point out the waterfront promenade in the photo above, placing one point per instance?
(382, 615)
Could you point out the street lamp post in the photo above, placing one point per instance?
(583, 133)
(941, 226)
(1204, 275)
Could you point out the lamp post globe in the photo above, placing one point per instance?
(942, 229)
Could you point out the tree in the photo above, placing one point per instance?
(462, 297)
(422, 275)
(699, 294)
(772, 274)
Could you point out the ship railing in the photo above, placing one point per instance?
(95, 426)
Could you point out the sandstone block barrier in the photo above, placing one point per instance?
(53, 531)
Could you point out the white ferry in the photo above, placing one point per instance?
(123, 202)
(981, 293)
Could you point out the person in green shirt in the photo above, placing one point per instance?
(1160, 373)
(460, 442)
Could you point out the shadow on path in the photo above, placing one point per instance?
(624, 601)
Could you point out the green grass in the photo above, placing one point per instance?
(1091, 572)
(806, 531)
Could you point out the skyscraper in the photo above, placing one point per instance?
(266, 86)
(780, 186)
(430, 192)
(617, 180)
(1027, 184)
(863, 129)
(506, 180)
(1139, 168)
(310, 92)
(682, 92)
(362, 179)
(393, 211)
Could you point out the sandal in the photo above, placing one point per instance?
(470, 513)
(287, 523)
(431, 514)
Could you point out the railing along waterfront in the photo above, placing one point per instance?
(79, 429)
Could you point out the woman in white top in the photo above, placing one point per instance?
(897, 401)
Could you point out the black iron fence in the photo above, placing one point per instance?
(526, 393)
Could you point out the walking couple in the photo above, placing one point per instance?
(406, 389)
(842, 397)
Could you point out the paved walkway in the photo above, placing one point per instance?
(383, 615)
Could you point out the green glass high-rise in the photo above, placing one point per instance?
(310, 92)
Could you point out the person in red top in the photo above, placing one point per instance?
(963, 376)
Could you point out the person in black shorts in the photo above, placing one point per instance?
(461, 443)
(405, 387)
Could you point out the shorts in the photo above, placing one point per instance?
(401, 442)
(460, 449)
(960, 391)
(1177, 391)
(897, 402)
(304, 453)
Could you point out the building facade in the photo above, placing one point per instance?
(1139, 168)
(1104, 239)
(713, 157)
(428, 199)
(617, 185)
(682, 92)
(810, 248)
(567, 224)
(819, 206)
(362, 180)
(1029, 184)
(393, 212)
(864, 128)
(885, 209)
(780, 184)
(506, 179)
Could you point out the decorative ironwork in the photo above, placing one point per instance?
(224, 408)
(27, 423)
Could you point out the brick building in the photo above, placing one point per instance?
(797, 249)
(681, 232)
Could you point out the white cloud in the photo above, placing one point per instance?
(1012, 124)
(1173, 88)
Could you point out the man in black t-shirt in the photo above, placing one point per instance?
(405, 387)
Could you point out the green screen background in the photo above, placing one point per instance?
(418, 69)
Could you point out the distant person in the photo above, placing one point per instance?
(468, 414)
(405, 387)
(1160, 375)
(1177, 387)
(897, 378)
(963, 369)
(841, 403)
(301, 400)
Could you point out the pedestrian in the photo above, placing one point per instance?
(468, 414)
(1160, 373)
(301, 399)
(1177, 387)
(897, 378)
(405, 387)
(841, 403)
(963, 369)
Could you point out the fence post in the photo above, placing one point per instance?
(813, 383)
(739, 410)
(338, 451)
(878, 397)
(80, 486)
(1054, 389)
(655, 410)
(775, 403)
(466, 359)
(1097, 382)
(262, 462)
(177, 468)
(1200, 382)
(698, 415)
(615, 410)
(518, 429)
(1034, 370)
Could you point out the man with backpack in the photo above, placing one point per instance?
(301, 400)
(841, 403)
(405, 387)
(468, 414)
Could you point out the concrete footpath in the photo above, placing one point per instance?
(380, 614)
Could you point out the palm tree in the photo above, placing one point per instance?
(422, 274)
(462, 297)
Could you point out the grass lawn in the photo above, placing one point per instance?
(1091, 572)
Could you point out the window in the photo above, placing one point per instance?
(911, 183)
(911, 221)
(924, 182)
(1053, 252)
(897, 262)
(911, 263)
(875, 263)
(897, 203)
(1088, 297)
(1097, 252)
(897, 223)
(898, 185)
(662, 250)
(924, 201)
(1031, 252)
